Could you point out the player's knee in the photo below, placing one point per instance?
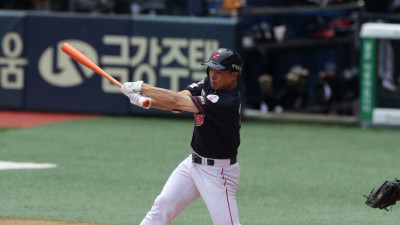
(165, 205)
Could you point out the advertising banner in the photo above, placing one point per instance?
(58, 83)
(13, 60)
(368, 76)
(166, 52)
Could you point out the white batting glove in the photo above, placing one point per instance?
(132, 87)
(140, 100)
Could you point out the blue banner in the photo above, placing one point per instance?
(58, 83)
(13, 60)
(166, 52)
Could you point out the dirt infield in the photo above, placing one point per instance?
(4, 221)
(25, 119)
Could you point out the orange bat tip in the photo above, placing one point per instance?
(65, 44)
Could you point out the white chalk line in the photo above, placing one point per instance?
(7, 165)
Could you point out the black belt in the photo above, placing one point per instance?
(210, 162)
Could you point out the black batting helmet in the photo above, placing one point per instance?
(224, 59)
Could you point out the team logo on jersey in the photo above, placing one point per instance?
(199, 118)
(213, 98)
(216, 55)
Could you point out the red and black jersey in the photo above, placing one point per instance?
(217, 130)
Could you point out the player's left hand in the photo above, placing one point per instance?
(132, 87)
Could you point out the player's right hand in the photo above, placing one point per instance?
(140, 100)
(131, 87)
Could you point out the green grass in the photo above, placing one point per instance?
(111, 169)
(3, 129)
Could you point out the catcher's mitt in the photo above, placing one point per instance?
(386, 195)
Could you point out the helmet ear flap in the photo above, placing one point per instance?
(208, 70)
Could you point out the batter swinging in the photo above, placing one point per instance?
(211, 171)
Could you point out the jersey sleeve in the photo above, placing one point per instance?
(198, 101)
(195, 88)
(212, 106)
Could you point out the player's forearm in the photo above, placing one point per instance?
(164, 99)
(156, 105)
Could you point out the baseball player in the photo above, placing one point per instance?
(211, 170)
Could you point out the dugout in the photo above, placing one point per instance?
(379, 83)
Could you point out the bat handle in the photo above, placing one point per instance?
(144, 102)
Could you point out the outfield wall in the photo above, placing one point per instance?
(163, 51)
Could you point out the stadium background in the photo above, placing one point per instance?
(284, 82)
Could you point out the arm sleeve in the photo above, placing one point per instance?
(195, 88)
(199, 102)
(212, 106)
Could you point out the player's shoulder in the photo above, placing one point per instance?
(228, 98)
(206, 81)
(232, 94)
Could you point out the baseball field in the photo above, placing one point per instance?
(109, 170)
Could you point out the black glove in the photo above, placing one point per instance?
(386, 195)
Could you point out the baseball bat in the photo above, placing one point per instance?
(74, 53)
